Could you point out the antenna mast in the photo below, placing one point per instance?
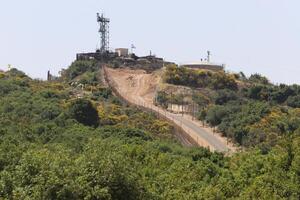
(104, 32)
(208, 56)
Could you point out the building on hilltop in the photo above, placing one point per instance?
(121, 56)
(122, 52)
(204, 64)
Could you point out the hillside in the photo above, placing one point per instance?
(250, 111)
(140, 88)
(73, 139)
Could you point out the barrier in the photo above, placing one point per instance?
(184, 137)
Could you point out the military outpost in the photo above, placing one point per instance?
(122, 56)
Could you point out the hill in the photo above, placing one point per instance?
(73, 139)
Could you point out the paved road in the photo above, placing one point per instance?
(199, 134)
(213, 141)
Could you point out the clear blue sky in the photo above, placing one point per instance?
(251, 35)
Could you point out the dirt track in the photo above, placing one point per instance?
(136, 84)
(139, 88)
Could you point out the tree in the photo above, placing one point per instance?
(79, 67)
(162, 98)
(281, 93)
(215, 115)
(16, 73)
(257, 78)
(255, 91)
(294, 101)
(221, 80)
(200, 99)
(223, 96)
(84, 112)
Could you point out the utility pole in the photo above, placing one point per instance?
(182, 95)
(193, 105)
(132, 47)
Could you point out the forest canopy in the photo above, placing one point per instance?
(50, 150)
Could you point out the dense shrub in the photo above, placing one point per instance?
(84, 112)
(294, 101)
(46, 155)
(224, 96)
(257, 78)
(199, 78)
(79, 67)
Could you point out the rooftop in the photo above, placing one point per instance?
(201, 63)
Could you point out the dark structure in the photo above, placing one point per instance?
(106, 56)
(102, 54)
(104, 32)
(50, 77)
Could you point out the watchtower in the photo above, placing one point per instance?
(104, 32)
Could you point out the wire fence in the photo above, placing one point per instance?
(182, 132)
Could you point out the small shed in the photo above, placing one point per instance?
(122, 52)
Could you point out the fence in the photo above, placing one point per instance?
(180, 133)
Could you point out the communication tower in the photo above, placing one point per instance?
(104, 32)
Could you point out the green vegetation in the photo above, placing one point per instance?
(50, 150)
(84, 112)
(199, 78)
(80, 67)
(241, 108)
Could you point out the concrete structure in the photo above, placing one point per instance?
(178, 108)
(122, 52)
(107, 56)
(86, 56)
(204, 65)
(152, 58)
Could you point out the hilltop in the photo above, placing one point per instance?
(71, 138)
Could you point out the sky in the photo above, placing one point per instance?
(253, 36)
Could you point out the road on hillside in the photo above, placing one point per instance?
(213, 141)
(138, 87)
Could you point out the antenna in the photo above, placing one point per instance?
(104, 32)
(208, 56)
(132, 47)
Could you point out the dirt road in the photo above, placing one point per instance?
(139, 88)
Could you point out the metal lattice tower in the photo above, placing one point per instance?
(104, 32)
